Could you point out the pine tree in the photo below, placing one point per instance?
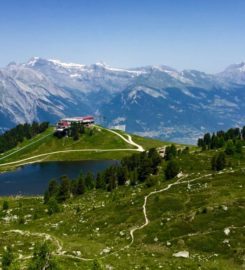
(200, 143)
(145, 167)
(238, 146)
(172, 169)
(230, 149)
(112, 182)
(122, 175)
(151, 181)
(218, 161)
(243, 133)
(7, 258)
(80, 185)
(73, 186)
(89, 181)
(64, 189)
(53, 206)
(155, 159)
(100, 181)
(133, 177)
(42, 258)
(170, 152)
(5, 205)
(53, 187)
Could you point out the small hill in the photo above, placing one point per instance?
(95, 143)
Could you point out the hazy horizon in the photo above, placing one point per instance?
(119, 67)
(204, 35)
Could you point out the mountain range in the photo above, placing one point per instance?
(153, 101)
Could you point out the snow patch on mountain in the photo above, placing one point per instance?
(155, 101)
(149, 91)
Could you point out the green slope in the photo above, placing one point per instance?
(103, 144)
(202, 213)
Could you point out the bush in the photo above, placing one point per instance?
(5, 205)
(172, 169)
(7, 258)
(64, 189)
(170, 152)
(151, 181)
(230, 148)
(42, 258)
(53, 206)
(218, 161)
(133, 177)
(21, 220)
(97, 265)
(80, 185)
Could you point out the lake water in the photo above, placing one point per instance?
(33, 179)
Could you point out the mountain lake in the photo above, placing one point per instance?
(33, 179)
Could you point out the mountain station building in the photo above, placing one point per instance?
(66, 123)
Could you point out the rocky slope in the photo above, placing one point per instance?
(156, 101)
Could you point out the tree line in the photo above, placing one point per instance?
(16, 135)
(231, 141)
(136, 169)
(233, 136)
(132, 170)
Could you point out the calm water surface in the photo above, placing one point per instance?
(33, 179)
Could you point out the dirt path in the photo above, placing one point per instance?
(178, 182)
(147, 221)
(61, 252)
(129, 140)
(65, 151)
(28, 160)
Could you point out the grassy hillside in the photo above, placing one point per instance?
(201, 212)
(103, 144)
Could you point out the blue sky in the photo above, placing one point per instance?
(186, 34)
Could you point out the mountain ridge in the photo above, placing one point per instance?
(48, 89)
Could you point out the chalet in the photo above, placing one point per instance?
(66, 123)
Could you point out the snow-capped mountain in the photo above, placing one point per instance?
(156, 101)
(233, 74)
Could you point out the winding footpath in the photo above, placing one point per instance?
(129, 140)
(25, 161)
(63, 253)
(59, 251)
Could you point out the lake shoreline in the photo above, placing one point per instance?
(32, 179)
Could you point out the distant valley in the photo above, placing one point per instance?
(152, 101)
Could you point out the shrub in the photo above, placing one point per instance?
(42, 258)
(151, 181)
(7, 258)
(53, 206)
(21, 219)
(230, 148)
(97, 265)
(5, 205)
(218, 161)
(64, 189)
(172, 169)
